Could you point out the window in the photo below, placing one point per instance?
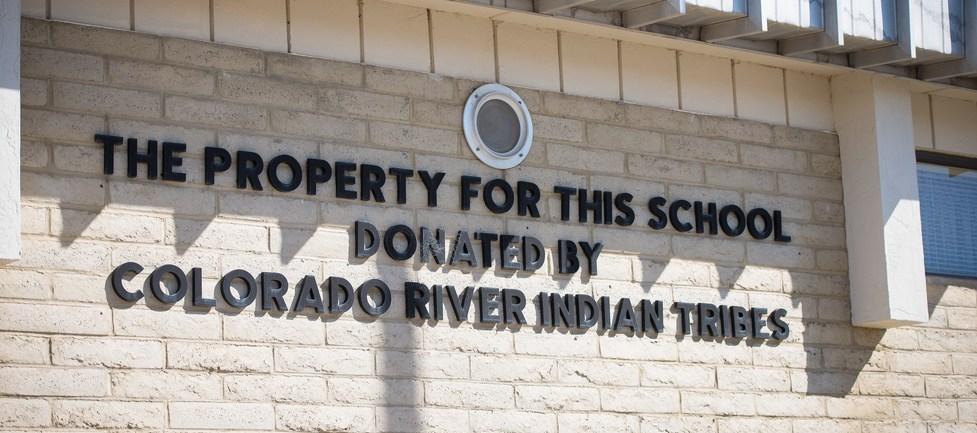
(948, 207)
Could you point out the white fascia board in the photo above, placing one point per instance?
(9, 131)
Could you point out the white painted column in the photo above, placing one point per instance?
(9, 130)
(873, 117)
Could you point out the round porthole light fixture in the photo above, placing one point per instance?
(498, 127)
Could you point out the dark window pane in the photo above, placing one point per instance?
(948, 204)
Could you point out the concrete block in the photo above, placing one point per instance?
(706, 84)
(325, 29)
(590, 66)
(396, 35)
(180, 18)
(760, 93)
(649, 75)
(809, 101)
(955, 125)
(464, 46)
(528, 56)
(251, 23)
(106, 13)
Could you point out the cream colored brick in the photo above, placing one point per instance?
(810, 187)
(464, 339)
(245, 88)
(464, 46)
(639, 400)
(316, 70)
(597, 422)
(250, 23)
(664, 168)
(414, 137)
(106, 226)
(968, 410)
(422, 365)
(951, 387)
(61, 382)
(283, 210)
(104, 100)
(511, 369)
(216, 235)
(34, 154)
(557, 398)
(627, 139)
(556, 344)
(171, 79)
(678, 376)
(719, 250)
(954, 125)
(107, 13)
(962, 319)
(45, 63)
(209, 55)
(325, 29)
(111, 353)
(677, 424)
(753, 379)
(24, 413)
(826, 165)
(181, 18)
(826, 426)
(467, 395)
(33, 92)
(601, 373)
(579, 158)
(579, 107)
(637, 348)
(803, 139)
(328, 361)
(865, 408)
(218, 357)
(590, 66)
(436, 113)
(760, 93)
(34, 221)
(171, 324)
(318, 126)
(512, 421)
(695, 352)
(385, 391)
(217, 113)
(17, 284)
(773, 158)
(299, 330)
(166, 384)
(701, 148)
(675, 272)
(396, 35)
(554, 128)
(809, 101)
(357, 103)
(172, 200)
(528, 56)
(109, 414)
(288, 389)
(706, 84)
(324, 418)
(415, 84)
(248, 416)
(429, 420)
(649, 75)
(718, 403)
(104, 41)
(733, 129)
(23, 349)
(60, 126)
(926, 410)
(59, 319)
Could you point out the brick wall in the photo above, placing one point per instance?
(73, 356)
